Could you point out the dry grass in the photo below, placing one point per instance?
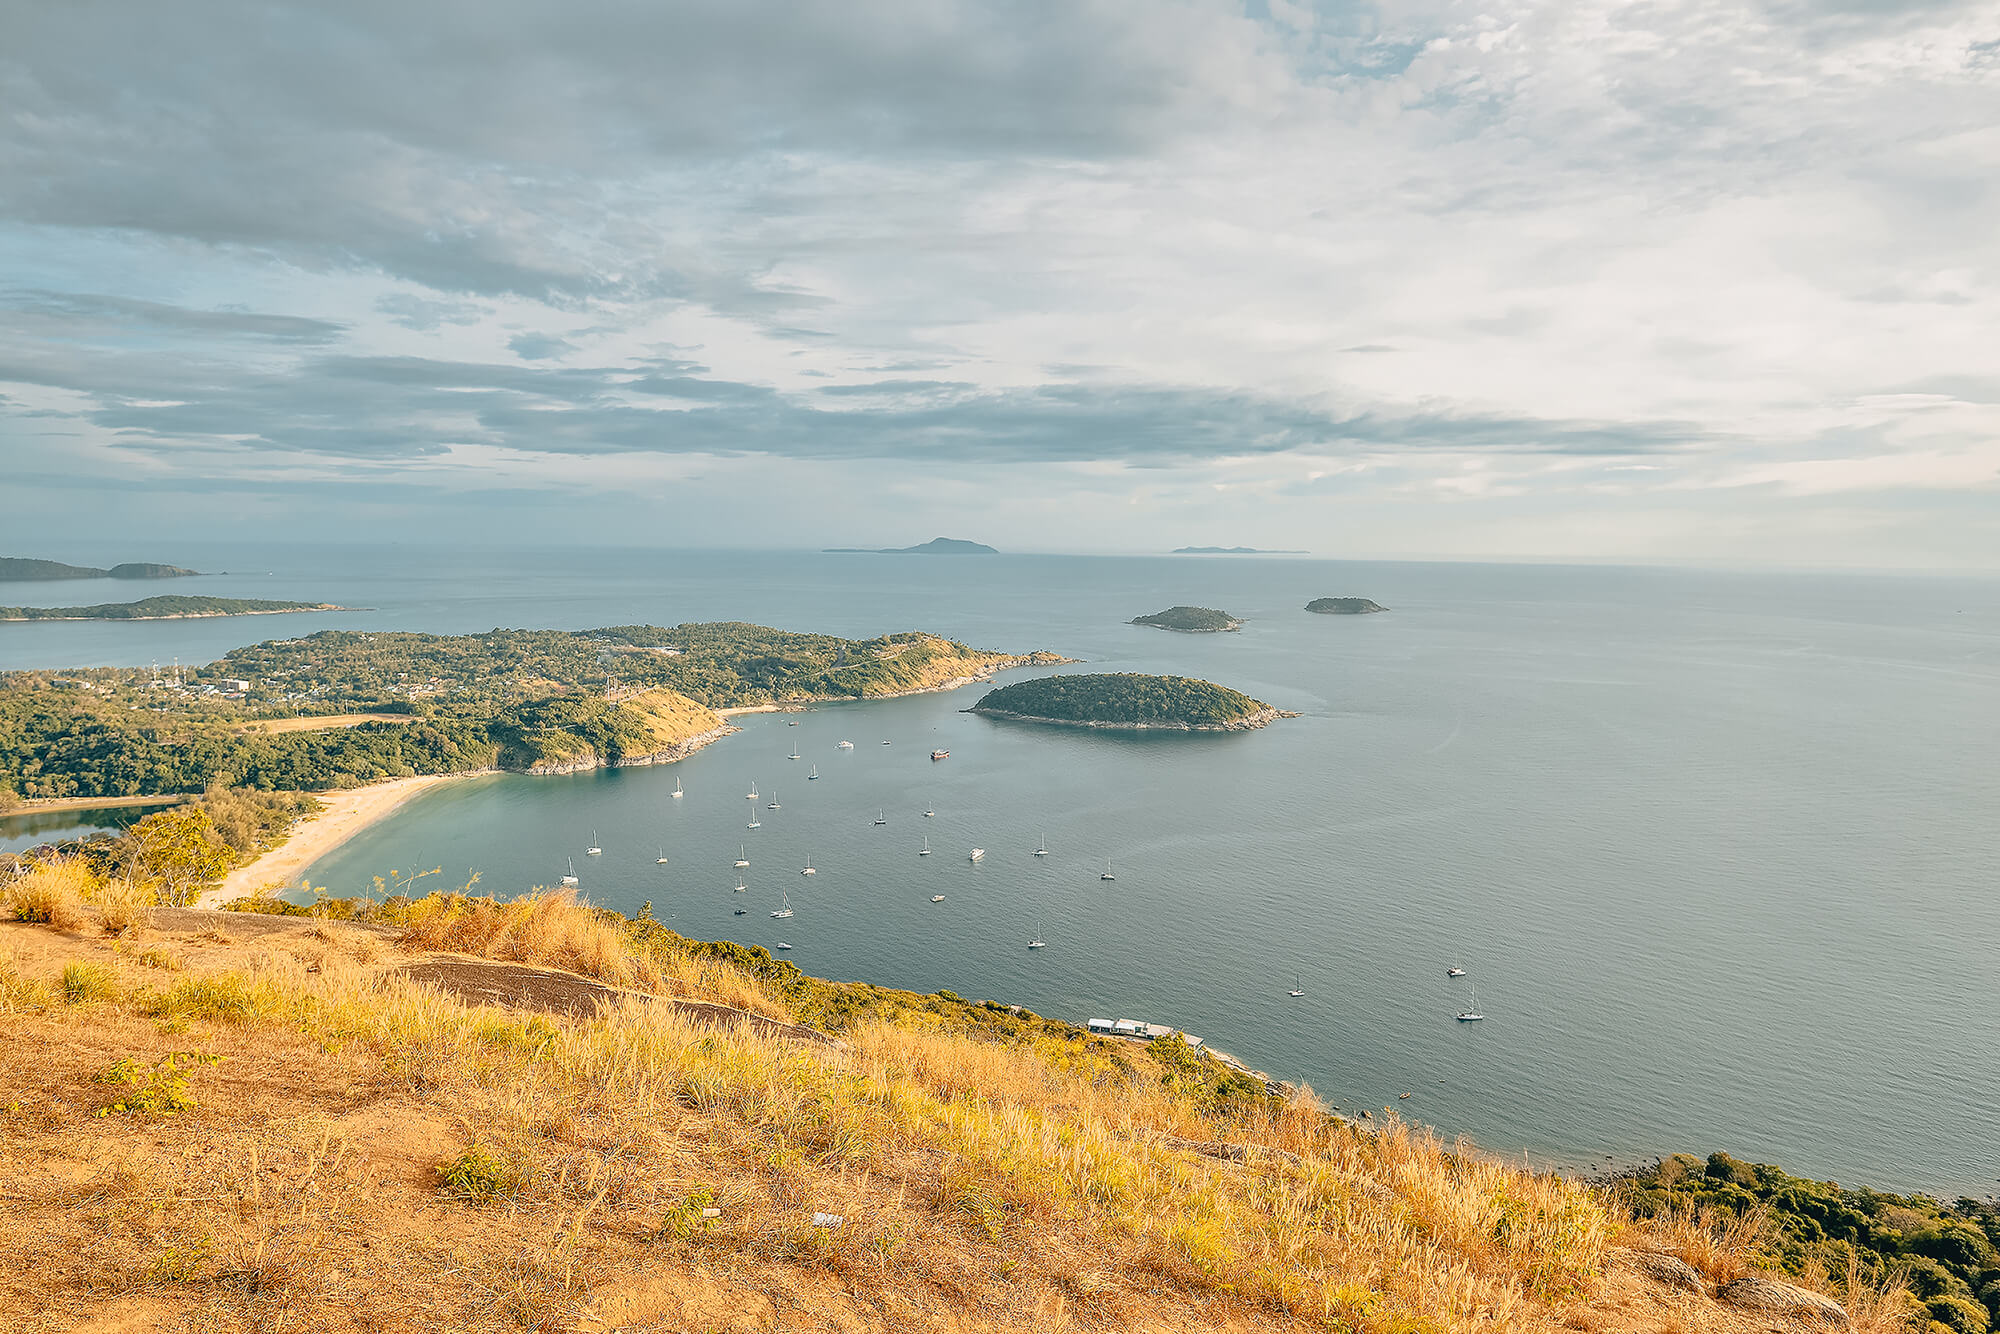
(1720, 1245)
(547, 928)
(121, 905)
(52, 893)
(376, 1155)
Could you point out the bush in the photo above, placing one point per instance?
(1961, 1315)
(160, 1089)
(85, 982)
(53, 893)
(478, 1176)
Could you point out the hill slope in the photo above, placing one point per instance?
(25, 569)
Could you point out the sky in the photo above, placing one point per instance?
(1666, 280)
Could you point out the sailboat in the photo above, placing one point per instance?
(772, 804)
(937, 898)
(1038, 943)
(1041, 846)
(809, 868)
(677, 788)
(881, 817)
(569, 881)
(783, 944)
(814, 774)
(755, 823)
(785, 908)
(1107, 874)
(1471, 1012)
(741, 888)
(751, 795)
(1454, 972)
(793, 756)
(925, 850)
(661, 860)
(847, 745)
(743, 855)
(1298, 988)
(930, 814)
(593, 850)
(977, 853)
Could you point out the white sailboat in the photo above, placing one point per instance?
(809, 868)
(1038, 943)
(661, 860)
(772, 804)
(1471, 1014)
(847, 745)
(751, 795)
(1298, 988)
(677, 788)
(1041, 846)
(977, 853)
(937, 898)
(814, 775)
(1107, 874)
(741, 888)
(881, 817)
(1454, 972)
(925, 850)
(569, 881)
(930, 814)
(743, 854)
(794, 755)
(785, 906)
(755, 823)
(593, 850)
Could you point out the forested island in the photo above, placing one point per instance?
(23, 569)
(168, 607)
(1343, 606)
(937, 546)
(341, 708)
(1190, 620)
(1128, 700)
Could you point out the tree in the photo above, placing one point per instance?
(180, 851)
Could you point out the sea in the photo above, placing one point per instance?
(1717, 850)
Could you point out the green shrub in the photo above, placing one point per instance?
(159, 1089)
(478, 1176)
(84, 982)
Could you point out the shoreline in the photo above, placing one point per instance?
(350, 811)
(38, 805)
(347, 812)
(1248, 723)
(172, 616)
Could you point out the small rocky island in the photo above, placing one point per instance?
(1343, 606)
(937, 546)
(1128, 701)
(1190, 620)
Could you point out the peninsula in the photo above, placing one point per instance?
(168, 607)
(341, 708)
(1190, 620)
(1343, 606)
(1128, 701)
(937, 546)
(1235, 551)
(23, 569)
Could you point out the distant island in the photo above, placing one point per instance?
(1127, 700)
(1190, 620)
(23, 569)
(168, 607)
(1234, 551)
(937, 546)
(1343, 606)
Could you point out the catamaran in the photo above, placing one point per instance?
(569, 881)
(772, 804)
(755, 823)
(593, 850)
(925, 850)
(1298, 988)
(785, 908)
(1107, 875)
(809, 868)
(751, 795)
(743, 854)
(741, 888)
(1471, 1012)
(1041, 846)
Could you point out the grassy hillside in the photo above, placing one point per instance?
(239, 1121)
(1123, 699)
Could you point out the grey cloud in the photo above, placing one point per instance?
(539, 346)
(73, 314)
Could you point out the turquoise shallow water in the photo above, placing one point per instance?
(1718, 849)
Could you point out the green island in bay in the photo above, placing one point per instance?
(1128, 700)
(1190, 620)
(342, 708)
(167, 607)
(1344, 606)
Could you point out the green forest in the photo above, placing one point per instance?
(160, 608)
(1122, 697)
(1948, 1254)
(1192, 619)
(506, 698)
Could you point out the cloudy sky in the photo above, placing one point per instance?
(1661, 280)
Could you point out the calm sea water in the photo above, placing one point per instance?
(1717, 849)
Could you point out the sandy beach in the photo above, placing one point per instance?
(347, 814)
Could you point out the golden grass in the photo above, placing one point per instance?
(1720, 1245)
(1027, 1183)
(53, 893)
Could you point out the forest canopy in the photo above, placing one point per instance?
(1124, 699)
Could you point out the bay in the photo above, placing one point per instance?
(1717, 847)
